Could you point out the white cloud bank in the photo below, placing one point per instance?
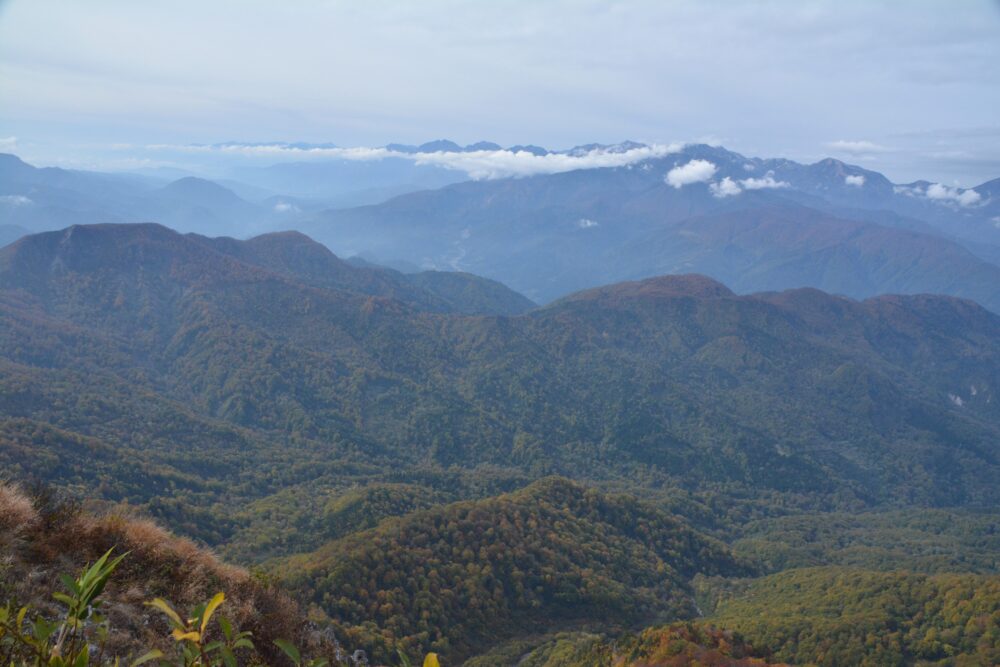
(8, 144)
(695, 171)
(477, 164)
(961, 197)
(503, 163)
(942, 194)
(855, 180)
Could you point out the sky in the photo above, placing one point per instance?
(909, 87)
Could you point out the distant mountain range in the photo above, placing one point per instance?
(754, 224)
(51, 198)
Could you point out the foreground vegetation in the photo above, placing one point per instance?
(44, 535)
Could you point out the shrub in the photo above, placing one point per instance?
(78, 638)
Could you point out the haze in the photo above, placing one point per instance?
(908, 89)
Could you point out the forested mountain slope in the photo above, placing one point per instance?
(235, 368)
(841, 616)
(297, 256)
(345, 426)
(468, 575)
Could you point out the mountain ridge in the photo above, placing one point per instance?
(289, 254)
(652, 378)
(549, 235)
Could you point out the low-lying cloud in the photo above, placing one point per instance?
(942, 194)
(961, 197)
(855, 180)
(695, 171)
(504, 163)
(728, 187)
(477, 164)
(765, 183)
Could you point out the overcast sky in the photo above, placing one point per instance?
(909, 88)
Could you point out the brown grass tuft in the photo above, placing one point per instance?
(16, 511)
(159, 564)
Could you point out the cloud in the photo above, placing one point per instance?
(940, 193)
(587, 223)
(477, 164)
(727, 187)
(695, 171)
(504, 163)
(944, 193)
(857, 147)
(857, 180)
(15, 200)
(8, 144)
(285, 207)
(763, 183)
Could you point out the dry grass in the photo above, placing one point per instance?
(17, 514)
(159, 564)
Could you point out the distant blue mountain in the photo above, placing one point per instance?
(753, 223)
(43, 199)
